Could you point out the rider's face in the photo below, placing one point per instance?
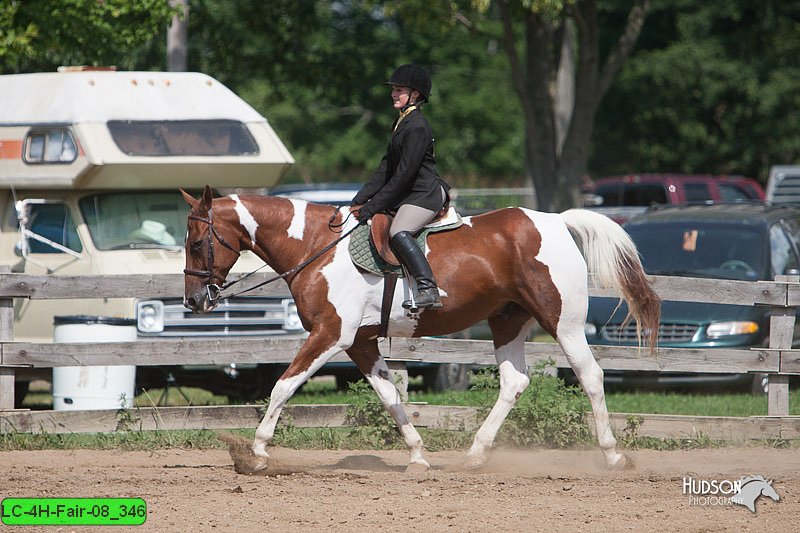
(402, 96)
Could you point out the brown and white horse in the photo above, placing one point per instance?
(512, 267)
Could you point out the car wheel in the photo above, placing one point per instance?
(760, 384)
(445, 377)
(20, 390)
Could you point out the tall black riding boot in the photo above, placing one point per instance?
(413, 258)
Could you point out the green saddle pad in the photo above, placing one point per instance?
(366, 257)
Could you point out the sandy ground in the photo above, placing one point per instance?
(540, 490)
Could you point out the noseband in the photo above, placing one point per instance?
(213, 289)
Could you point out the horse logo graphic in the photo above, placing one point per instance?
(751, 488)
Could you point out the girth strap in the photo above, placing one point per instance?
(389, 284)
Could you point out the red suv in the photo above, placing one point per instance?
(621, 197)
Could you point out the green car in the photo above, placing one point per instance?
(737, 241)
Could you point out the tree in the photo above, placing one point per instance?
(536, 36)
(315, 70)
(39, 35)
(708, 91)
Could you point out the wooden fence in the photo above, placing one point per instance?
(778, 359)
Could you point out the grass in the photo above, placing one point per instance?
(707, 404)
(323, 391)
(548, 414)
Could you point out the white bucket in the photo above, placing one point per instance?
(93, 387)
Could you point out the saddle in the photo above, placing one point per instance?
(369, 244)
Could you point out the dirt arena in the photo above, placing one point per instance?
(544, 490)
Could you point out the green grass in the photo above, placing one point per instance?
(548, 414)
(719, 404)
(324, 392)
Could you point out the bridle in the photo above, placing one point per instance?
(214, 289)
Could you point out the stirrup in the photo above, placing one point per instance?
(430, 300)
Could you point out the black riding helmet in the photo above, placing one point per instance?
(413, 76)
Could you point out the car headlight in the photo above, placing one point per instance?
(150, 316)
(291, 318)
(589, 329)
(724, 329)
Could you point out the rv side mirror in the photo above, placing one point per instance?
(24, 208)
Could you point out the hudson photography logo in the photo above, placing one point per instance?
(726, 492)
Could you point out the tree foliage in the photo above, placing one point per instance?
(710, 91)
(39, 35)
(703, 89)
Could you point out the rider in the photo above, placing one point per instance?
(406, 184)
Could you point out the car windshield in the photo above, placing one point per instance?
(703, 250)
(122, 220)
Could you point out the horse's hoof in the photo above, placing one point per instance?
(418, 468)
(621, 462)
(474, 462)
(245, 460)
(250, 465)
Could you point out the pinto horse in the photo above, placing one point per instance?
(512, 267)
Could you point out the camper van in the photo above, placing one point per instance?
(90, 166)
(783, 185)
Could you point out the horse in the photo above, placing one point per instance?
(751, 488)
(512, 267)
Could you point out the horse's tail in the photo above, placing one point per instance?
(613, 258)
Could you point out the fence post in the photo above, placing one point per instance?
(6, 334)
(781, 331)
(399, 378)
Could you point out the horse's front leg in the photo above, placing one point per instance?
(315, 352)
(367, 357)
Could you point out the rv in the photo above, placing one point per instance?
(783, 185)
(90, 166)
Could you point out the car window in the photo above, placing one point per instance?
(52, 145)
(135, 219)
(53, 222)
(783, 255)
(792, 226)
(732, 193)
(702, 249)
(632, 194)
(696, 192)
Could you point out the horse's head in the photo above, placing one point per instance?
(212, 247)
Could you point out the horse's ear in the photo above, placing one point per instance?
(189, 198)
(208, 195)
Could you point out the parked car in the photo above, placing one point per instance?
(621, 197)
(435, 377)
(746, 242)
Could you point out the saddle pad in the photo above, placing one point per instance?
(366, 257)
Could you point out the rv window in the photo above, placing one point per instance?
(54, 223)
(50, 146)
(181, 138)
(135, 219)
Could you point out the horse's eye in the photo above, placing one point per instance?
(196, 245)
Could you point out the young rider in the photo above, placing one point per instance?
(406, 184)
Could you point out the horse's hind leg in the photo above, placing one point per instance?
(367, 357)
(509, 332)
(590, 375)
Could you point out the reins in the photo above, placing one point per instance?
(210, 265)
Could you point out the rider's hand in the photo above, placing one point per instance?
(361, 212)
